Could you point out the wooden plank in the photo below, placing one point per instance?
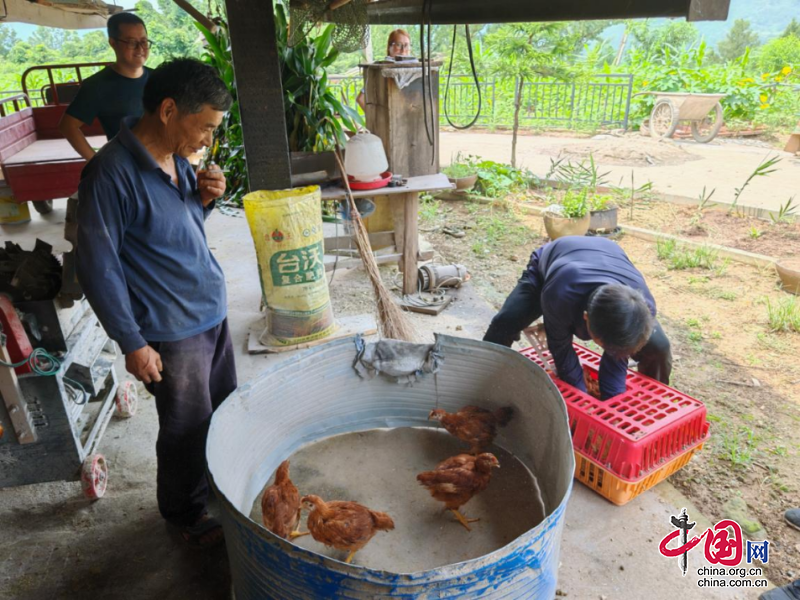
(15, 402)
(260, 95)
(424, 183)
(354, 263)
(381, 219)
(708, 10)
(398, 214)
(348, 326)
(378, 239)
(410, 244)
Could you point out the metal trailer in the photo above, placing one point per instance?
(702, 111)
(48, 431)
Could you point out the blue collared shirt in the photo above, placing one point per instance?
(567, 271)
(142, 257)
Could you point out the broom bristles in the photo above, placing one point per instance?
(391, 320)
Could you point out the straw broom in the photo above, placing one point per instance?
(392, 321)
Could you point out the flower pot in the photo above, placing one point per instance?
(558, 226)
(463, 183)
(604, 221)
(789, 272)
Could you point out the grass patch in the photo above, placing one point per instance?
(496, 227)
(428, 208)
(739, 446)
(679, 257)
(783, 314)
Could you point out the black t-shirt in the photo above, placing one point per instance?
(110, 97)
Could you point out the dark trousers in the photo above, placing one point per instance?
(523, 307)
(199, 373)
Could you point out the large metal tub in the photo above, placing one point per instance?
(317, 394)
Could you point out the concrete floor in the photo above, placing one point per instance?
(721, 165)
(54, 544)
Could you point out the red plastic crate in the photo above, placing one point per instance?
(634, 433)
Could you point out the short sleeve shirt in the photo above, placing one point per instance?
(110, 97)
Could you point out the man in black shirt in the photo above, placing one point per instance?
(587, 287)
(114, 92)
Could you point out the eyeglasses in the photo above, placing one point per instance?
(134, 44)
(399, 45)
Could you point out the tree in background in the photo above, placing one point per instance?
(740, 37)
(8, 37)
(526, 51)
(793, 28)
(651, 40)
(779, 53)
(171, 29)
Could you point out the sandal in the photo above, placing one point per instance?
(200, 535)
(454, 231)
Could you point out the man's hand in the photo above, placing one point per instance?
(210, 183)
(144, 364)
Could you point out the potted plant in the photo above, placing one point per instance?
(568, 217)
(462, 173)
(603, 213)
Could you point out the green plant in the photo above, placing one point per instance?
(739, 446)
(575, 204)
(785, 212)
(602, 202)
(762, 170)
(497, 180)
(705, 200)
(227, 149)
(783, 314)
(579, 175)
(428, 207)
(754, 233)
(316, 120)
(457, 170)
(679, 257)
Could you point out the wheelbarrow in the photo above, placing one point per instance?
(702, 111)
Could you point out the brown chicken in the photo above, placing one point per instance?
(344, 525)
(457, 479)
(474, 425)
(280, 505)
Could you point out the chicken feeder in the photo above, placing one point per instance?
(318, 394)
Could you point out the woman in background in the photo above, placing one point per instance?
(399, 44)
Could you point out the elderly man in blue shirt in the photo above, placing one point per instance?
(587, 287)
(144, 264)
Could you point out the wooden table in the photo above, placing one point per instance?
(405, 205)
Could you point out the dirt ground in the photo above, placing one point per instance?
(712, 224)
(635, 150)
(724, 355)
(674, 167)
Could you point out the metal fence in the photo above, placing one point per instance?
(598, 101)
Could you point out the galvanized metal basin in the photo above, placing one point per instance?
(317, 394)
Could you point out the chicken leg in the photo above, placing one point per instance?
(350, 556)
(462, 519)
(297, 533)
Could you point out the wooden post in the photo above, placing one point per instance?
(258, 83)
(410, 243)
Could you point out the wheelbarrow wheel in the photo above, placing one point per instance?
(43, 207)
(94, 476)
(127, 400)
(663, 119)
(706, 130)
